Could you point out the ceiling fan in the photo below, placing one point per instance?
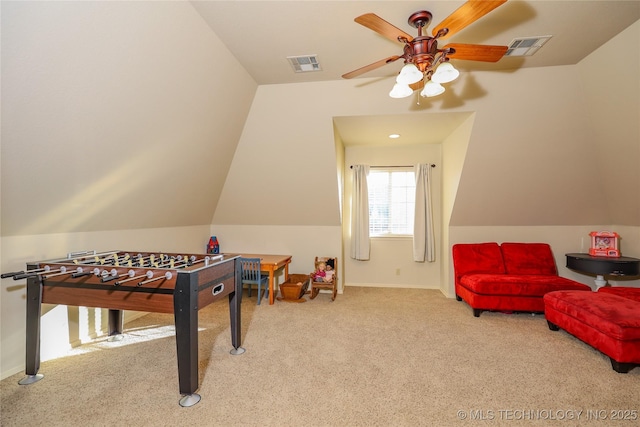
(426, 65)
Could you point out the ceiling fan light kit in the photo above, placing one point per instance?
(400, 90)
(432, 88)
(409, 74)
(445, 73)
(427, 66)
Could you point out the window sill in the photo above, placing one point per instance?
(393, 237)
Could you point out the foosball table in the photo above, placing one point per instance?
(174, 283)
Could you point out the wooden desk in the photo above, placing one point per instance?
(270, 264)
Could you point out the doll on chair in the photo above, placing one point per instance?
(324, 272)
(325, 277)
(321, 272)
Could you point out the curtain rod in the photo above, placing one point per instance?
(433, 165)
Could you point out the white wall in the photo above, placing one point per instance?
(454, 151)
(304, 243)
(613, 118)
(391, 258)
(115, 115)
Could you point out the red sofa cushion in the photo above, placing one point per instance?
(470, 258)
(615, 316)
(528, 258)
(623, 291)
(518, 285)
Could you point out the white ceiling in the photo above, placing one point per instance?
(375, 130)
(261, 34)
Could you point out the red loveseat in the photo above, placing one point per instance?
(507, 277)
(607, 320)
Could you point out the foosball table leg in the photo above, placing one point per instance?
(116, 325)
(186, 323)
(34, 304)
(235, 302)
(189, 400)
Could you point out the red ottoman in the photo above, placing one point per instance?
(623, 291)
(608, 322)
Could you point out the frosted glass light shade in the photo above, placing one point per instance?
(432, 88)
(400, 91)
(445, 73)
(409, 75)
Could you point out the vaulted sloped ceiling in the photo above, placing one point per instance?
(126, 115)
(115, 115)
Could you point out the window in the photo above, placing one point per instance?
(392, 194)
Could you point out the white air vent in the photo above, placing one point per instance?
(304, 64)
(526, 46)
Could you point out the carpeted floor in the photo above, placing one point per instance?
(374, 357)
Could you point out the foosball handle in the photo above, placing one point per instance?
(15, 273)
(82, 273)
(23, 276)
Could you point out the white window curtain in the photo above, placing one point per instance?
(360, 246)
(424, 248)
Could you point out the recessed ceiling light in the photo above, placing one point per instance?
(394, 136)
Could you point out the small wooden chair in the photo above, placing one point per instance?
(332, 284)
(251, 276)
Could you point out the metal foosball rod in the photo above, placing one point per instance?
(37, 272)
(63, 270)
(25, 273)
(141, 261)
(153, 260)
(132, 261)
(113, 274)
(171, 264)
(178, 262)
(125, 260)
(90, 259)
(115, 259)
(95, 261)
(95, 272)
(148, 275)
(87, 255)
(71, 258)
(167, 275)
(11, 274)
(181, 262)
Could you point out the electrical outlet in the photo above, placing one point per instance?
(397, 271)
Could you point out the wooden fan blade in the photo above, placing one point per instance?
(370, 67)
(466, 14)
(382, 27)
(477, 52)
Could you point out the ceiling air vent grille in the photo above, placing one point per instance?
(304, 64)
(526, 46)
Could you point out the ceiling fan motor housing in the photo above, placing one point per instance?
(421, 51)
(420, 19)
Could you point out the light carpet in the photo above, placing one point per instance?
(373, 357)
